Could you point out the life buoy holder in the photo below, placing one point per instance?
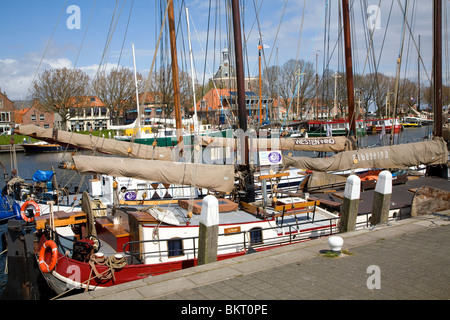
(25, 206)
(43, 264)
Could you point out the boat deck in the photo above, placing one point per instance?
(240, 215)
(401, 198)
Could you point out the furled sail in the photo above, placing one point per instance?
(214, 177)
(325, 144)
(100, 144)
(400, 156)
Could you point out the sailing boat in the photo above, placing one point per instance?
(430, 153)
(134, 243)
(138, 242)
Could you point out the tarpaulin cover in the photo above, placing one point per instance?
(41, 175)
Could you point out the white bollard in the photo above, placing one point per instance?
(335, 243)
(208, 230)
(350, 205)
(382, 198)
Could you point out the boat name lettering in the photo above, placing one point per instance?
(313, 142)
(231, 230)
(370, 155)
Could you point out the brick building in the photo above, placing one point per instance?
(6, 112)
(34, 115)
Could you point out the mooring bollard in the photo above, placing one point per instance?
(208, 230)
(382, 198)
(350, 205)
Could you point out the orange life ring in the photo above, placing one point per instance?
(37, 210)
(43, 265)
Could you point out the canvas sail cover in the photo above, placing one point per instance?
(102, 145)
(446, 131)
(214, 177)
(400, 156)
(325, 144)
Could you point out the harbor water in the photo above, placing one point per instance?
(28, 163)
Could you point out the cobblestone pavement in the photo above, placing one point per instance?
(411, 266)
(406, 260)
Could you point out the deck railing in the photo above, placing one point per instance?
(285, 234)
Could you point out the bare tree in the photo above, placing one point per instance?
(406, 97)
(162, 83)
(382, 92)
(117, 90)
(60, 90)
(293, 73)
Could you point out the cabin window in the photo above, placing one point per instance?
(175, 247)
(256, 236)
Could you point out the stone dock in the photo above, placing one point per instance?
(401, 260)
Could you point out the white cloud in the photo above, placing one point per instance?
(58, 63)
(16, 75)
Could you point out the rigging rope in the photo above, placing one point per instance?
(126, 32)
(43, 55)
(297, 85)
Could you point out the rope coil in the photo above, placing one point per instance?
(113, 262)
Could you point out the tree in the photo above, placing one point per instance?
(407, 95)
(60, 90)
(117, 90)
(294, 72)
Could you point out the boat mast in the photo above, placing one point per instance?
(418, 78)
(192, 72)
(137, 94)
(260, 84)
(437, 67)
(242, 111)
(175, 76)
(349, 67)
(397, 77)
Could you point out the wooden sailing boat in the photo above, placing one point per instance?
(155, 240)
(140, 242)
(399, 156)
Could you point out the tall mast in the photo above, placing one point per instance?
(137, 93)
(418, 78)
(245, 167)
(175, 77)
(192, 72)
(349, 67)
(260, 84)
(242, 112)
(437, 68)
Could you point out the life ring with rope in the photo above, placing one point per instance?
(24, 210)
(43, 264)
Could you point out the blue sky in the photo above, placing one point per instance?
(27, 27)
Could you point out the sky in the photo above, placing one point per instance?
(45, 34)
